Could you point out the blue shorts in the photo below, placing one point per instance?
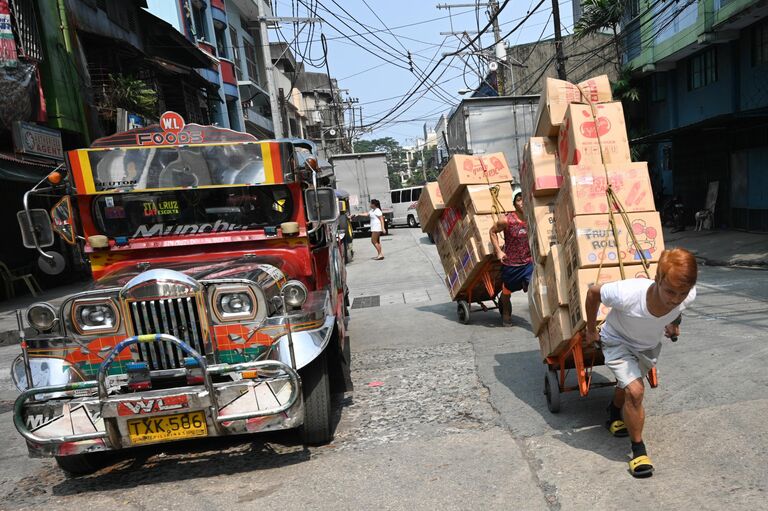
(516, 278)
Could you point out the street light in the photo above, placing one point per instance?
(465, 91)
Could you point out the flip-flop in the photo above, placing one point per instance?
(378, 258)
(617, 428)
(641, 466)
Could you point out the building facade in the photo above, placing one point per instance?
(76, 70)
(702, 69)
(231, 32)
(318, 99)
(535, 62)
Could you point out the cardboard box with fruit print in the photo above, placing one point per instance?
(594, 135)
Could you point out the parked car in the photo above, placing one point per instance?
(404, 206)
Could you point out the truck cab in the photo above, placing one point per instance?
(218, 304)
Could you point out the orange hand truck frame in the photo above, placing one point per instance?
(583, 359)
(481, 288)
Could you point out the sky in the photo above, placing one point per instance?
(372, 78)
(378, 74)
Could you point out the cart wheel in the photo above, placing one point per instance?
(462, 309)
(552, 390)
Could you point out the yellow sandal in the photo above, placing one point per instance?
(642, 466)
(618, 428)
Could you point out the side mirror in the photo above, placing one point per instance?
(61, 214)
(322, 205)
(36, 226)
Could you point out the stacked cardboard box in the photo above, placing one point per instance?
(430, 206)
(580, 148)
(460, 209)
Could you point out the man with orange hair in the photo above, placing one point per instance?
(642, 312)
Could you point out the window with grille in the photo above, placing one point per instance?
(221, 42)
(198, 17)
(250, 61)
(702, 69)
(760, 43)
(23, 12)
(235, 42)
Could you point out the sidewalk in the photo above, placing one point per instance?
(722, 248)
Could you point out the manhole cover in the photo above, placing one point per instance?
(362, 302)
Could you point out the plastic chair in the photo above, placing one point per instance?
(10, 279)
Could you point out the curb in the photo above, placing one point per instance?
(739, 263)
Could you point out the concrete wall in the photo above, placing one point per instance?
(538, 59)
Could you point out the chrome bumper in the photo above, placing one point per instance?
(61, 427)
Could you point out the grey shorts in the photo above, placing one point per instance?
(628, 364)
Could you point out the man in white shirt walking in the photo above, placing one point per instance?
(642, 312)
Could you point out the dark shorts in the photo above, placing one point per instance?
(516, 278)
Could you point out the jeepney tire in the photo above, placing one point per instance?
(411, 222)
(552, 390)
(316, 390)
(81, 464)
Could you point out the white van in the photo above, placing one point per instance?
(404, 206)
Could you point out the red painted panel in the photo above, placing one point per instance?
(228, 72)
(207, 48)
(219, 4)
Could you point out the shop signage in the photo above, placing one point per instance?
(36, 140)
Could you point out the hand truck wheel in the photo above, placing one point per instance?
(552, 390)
(462, 309)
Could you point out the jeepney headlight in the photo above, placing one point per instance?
(95, 316)
(41, 316)
(295, 293)
(234, 303)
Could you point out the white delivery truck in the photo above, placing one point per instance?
(364, 176)
(495, 124)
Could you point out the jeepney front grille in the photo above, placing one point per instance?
(175, 316)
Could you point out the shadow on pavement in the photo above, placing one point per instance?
(189, 460)
(580, 422)
(478, 317)
(184, 461)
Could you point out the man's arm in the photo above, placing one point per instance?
(672, 330)
(593, 305)
(498, 227)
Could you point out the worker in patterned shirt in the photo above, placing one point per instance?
(515, 257)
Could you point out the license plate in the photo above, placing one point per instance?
(167, 427)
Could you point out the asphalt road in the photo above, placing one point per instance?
(450, 416)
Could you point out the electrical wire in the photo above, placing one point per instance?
(443, 94)
(400, 104)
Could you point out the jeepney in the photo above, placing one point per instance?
(219, 300)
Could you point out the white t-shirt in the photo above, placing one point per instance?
(376, 215)
(629, 321)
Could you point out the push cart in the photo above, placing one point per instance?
(582, 358)
(484, 286)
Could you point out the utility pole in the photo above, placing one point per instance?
(423, 163)
(501, 50)
(277, 121)
(322, 131)
(284, 112)
(558, 42)
(278, 126)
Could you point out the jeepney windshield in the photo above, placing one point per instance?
(192, 211)
(142, 168)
